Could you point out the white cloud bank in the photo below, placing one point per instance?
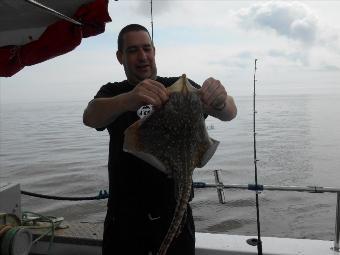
(293, 20)
(290, 19)
(300, 26)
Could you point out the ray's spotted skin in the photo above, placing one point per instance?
(175, 140)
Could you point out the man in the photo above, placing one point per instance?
(141, 199)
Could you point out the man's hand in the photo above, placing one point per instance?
(213, 95)
(148, 92)
(100, 112)
(216, 101)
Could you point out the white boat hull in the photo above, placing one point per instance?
(223, 244)
(208, 244)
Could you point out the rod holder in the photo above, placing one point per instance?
(219, 187)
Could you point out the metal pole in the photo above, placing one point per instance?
(219, 188)
(310, 189)
(337, 224)
(53, 12)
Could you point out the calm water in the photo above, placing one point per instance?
(46, 148)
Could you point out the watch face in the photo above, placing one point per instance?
(144, 111)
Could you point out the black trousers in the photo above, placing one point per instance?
(128, 234)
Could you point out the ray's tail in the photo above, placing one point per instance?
(175, 225)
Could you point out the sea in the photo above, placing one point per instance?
(45, 147)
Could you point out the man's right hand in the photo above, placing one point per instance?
(147, 92)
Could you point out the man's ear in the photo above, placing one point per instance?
(119, 56)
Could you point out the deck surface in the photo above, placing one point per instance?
(75, 232)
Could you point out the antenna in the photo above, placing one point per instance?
(257, 188)
(151, 20)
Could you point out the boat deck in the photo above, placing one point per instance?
(85, 238)
(76, 238)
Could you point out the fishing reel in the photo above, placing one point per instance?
(14, 239)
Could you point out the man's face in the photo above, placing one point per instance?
(137, 57)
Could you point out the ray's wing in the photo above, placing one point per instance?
(133, 145)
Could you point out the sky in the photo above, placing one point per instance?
(297, 44)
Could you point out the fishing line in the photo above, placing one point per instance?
(258, 241)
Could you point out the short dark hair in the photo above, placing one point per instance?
(129, 28)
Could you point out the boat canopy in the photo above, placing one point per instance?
(31, 32)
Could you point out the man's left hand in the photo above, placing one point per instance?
(213, 95)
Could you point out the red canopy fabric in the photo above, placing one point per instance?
(59, 38)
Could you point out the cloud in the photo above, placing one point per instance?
(311, 41)
(294, 56)
(328, 67)
(330, 40)
(289, 19)
(238, 61)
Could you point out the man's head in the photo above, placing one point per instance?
(136, 53)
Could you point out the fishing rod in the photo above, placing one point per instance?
(151, 19)
(258, 241)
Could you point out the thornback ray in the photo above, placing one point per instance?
(133, 140)
(174, 139)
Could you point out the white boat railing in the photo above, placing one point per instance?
(311, 189)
